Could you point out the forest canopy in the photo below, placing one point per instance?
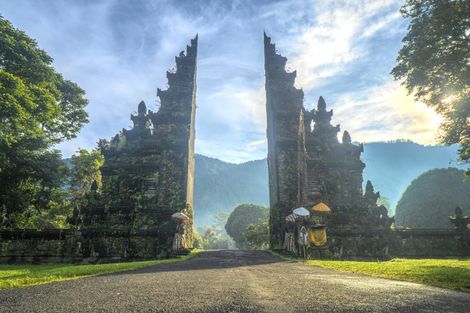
(427, 204)
(240, 220)
(434, 64)
(38, 109)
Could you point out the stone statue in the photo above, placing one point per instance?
(4, 218)
(460, 221)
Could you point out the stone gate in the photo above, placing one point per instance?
(148, 175)
(310, 168)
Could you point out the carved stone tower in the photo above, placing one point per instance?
(308, 165)
(284, 103)
(148, 173)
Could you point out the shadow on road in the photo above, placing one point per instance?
(215, 259)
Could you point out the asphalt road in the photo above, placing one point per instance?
(233, 281)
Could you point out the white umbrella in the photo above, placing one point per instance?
(181, 217)
(301, 211)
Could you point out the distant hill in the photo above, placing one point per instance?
(220, 186)
(432, 197)
(391, 166)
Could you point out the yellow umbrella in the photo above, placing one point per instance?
(320, 207)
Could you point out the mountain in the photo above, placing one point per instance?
(426, 204)
(220, 186)
(391, 166)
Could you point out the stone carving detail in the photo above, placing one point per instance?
(460, 221)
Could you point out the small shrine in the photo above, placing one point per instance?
(460, 222)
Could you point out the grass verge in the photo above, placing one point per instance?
(23, 275)
(445, 273)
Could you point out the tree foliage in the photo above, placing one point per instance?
(257, 235)
(215, 237)
(239, 220)
(85, 170)
(212, 238)
(434, 63)
(38, 108)
(426, 203)
(36, 196)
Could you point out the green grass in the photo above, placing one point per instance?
(23, 275)
(446, 273)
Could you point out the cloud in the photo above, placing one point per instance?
(337, 38)
(234, 123)
(119, 51)
(386, 112)
(337, 47)
(375, 26)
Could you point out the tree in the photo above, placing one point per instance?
(212, 239)
(257, 235)
(85, 170)
(41, 200)
(197, 239)
(220, 219)
(434, 64)
(38, 108)
(215, 237)
(240, 218)
(426, 203)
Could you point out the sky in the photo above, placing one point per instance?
(119, 51)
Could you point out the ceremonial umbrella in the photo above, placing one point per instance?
(320, 207)
(301, 211)
(291, 218)
(181, 217)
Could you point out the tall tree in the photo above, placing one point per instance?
(38, 108)
(426, 204)
(434, 63)
(257, 235)
(241, 217)
(85, 170)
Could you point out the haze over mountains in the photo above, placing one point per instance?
(391, 166)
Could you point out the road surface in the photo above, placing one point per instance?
(233, 281)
